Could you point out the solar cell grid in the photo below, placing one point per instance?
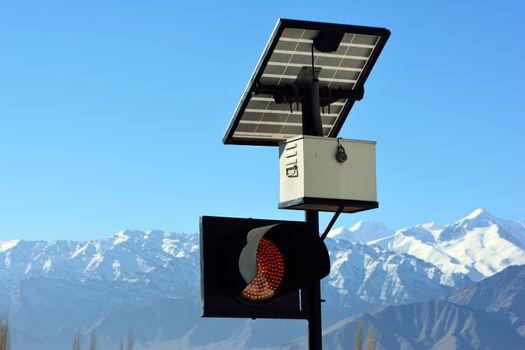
(260, 119)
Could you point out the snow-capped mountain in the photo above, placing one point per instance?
(54, 288)
(477, 245)
(362, 232)
(149, 282)
(364, 278)
(49, 286)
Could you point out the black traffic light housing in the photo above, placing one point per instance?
(256, 268)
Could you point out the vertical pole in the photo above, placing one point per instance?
(315, 336)
(312, 125)
(311, 109)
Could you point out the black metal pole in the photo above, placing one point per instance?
(315, 336)
(311, 109)
(311, 117)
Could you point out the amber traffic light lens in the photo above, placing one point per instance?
(270, 272)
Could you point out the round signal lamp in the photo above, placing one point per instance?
(270, 272)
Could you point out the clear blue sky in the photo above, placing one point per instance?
(112, 112)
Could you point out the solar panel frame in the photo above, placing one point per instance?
(283, 24)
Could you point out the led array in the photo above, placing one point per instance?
(270, 272)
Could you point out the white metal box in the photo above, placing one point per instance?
(311, 178)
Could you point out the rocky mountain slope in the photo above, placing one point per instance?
(485, 315)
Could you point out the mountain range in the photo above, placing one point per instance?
(486, 315)
(477, 245)
(148, 282)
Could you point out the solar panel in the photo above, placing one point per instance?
(339, 56)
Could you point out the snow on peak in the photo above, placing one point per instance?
(135, 235)
(369, 226)
(478, 245)
(154, 233)
(432, 225)
(357, 226)
(169, 245)
(363, 231)
(336, 232)
(479, 217)
(419, 232)
(6, 245)
(475, 214)
(121, 237)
